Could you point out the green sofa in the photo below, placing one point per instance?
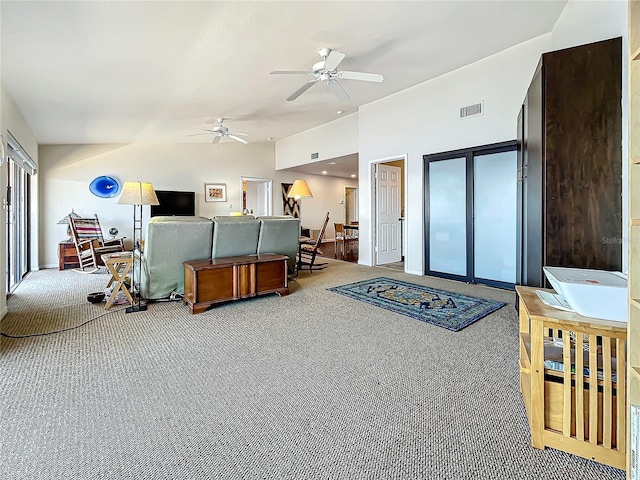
(169, 241)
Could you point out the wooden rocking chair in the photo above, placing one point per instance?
(90, 244)
(309, 249)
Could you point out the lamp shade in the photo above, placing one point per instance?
(299, 190)
(65, 220)
(138, 193)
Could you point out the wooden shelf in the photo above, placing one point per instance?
(635, 161)
(553, 398)
(635, 222)
(635, 55)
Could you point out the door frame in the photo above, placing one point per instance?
(373, 227)
(267, 181)
(468, 154)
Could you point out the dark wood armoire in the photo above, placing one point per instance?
(570, 162)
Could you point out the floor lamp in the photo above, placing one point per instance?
(137, 194)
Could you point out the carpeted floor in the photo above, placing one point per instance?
(310, 386)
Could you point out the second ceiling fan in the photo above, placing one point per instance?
(326, 72)
(220, 132)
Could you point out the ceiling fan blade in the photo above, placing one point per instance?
(367, 77)
(216, 139)
(333, 60)
(239, 139)
(300, 91)
(195, 134)
(244, 134)
(290, 72)
(337, 90)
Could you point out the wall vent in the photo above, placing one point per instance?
(472, 110)
(314, 156)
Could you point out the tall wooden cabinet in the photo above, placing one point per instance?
(633, 333)
(570, 162)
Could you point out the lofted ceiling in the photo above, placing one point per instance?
(157, 71)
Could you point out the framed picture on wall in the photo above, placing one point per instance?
(215, 192)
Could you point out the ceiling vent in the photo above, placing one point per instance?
(472, 110)
(314, 156)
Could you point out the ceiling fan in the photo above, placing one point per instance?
(219, 132)
(326, 72)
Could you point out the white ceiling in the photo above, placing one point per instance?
(156, 71)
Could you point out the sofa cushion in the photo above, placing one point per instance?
(233, 237)
(280, 235)
(170, 241)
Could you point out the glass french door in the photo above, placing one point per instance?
(17, 207)
(448, 216)
(470, 214)
(494, 216)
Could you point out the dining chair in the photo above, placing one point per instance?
(342, 239)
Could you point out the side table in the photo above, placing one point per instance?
(67, 255)
(118, 265)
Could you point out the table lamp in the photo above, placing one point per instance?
(65, 221)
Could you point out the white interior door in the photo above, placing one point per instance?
(257, 198)
(263, 199)
(351, 204)
(388, 191)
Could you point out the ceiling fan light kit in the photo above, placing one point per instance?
(326, 72)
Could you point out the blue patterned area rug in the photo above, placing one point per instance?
(452, 311)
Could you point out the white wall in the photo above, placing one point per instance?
(425, 117)
(588, 21)
(331, 140)
(67, 170)
(12, 120)
(425, 120)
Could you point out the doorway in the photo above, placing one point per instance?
(351, 212)
(20, 168)
(256, 196)
(388, 194)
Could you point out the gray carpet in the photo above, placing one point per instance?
(310, 386)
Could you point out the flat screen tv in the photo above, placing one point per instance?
(174, 203)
